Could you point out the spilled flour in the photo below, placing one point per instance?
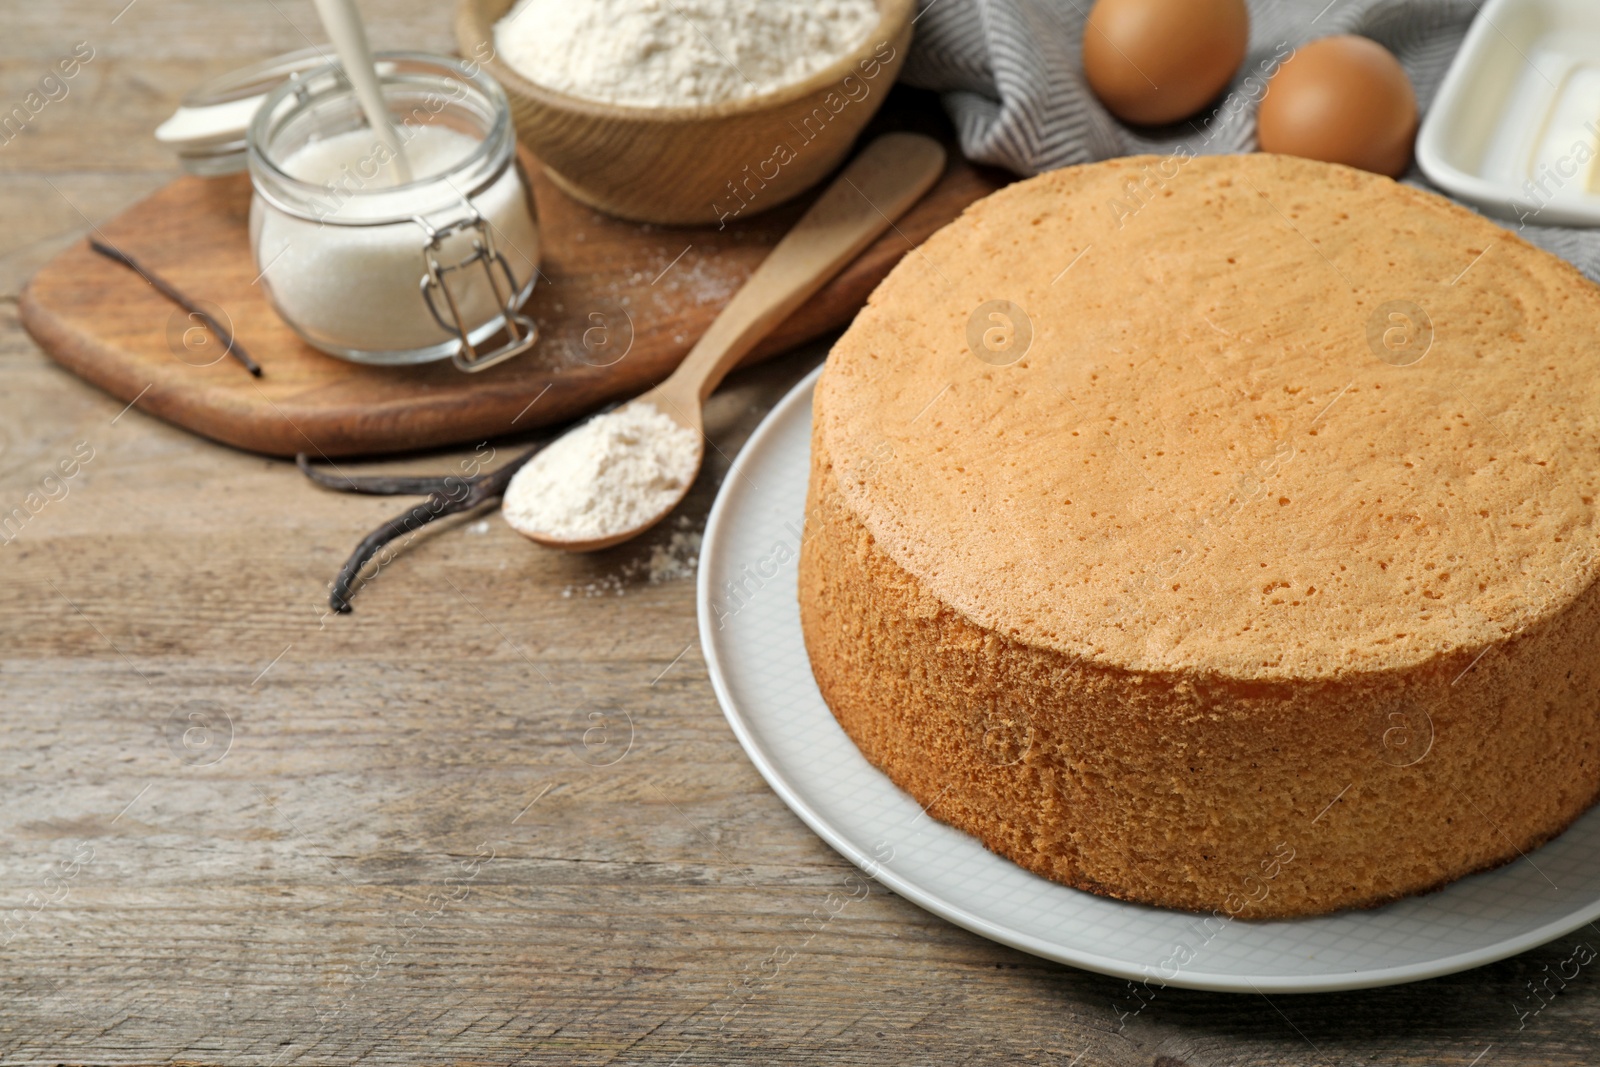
(672, 560)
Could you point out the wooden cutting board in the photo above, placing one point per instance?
(618, 306)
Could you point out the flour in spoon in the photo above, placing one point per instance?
(609, 475)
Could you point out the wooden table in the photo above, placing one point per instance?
(234, 830)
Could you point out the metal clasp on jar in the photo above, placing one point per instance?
(521, 332)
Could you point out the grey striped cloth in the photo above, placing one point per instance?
(1011, 76)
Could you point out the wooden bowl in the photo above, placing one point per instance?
(696, 164)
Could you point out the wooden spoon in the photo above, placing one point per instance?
(876, 187)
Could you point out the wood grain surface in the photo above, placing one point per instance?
(492, 817)
(618, 304)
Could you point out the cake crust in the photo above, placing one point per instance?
(1203, 601)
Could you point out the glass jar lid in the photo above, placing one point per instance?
(207, 132)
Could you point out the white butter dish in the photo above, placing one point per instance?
(1515, 128)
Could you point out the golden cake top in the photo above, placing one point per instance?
(1249, 416)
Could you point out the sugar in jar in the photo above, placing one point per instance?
(379, 260)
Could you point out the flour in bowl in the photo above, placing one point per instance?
(664, 53)
(609, 475)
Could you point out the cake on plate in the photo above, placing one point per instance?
(1218, 534)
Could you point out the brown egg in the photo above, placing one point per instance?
(1341, 100)
(1158, 61)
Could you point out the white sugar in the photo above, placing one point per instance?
(336, 159)
(356, 287)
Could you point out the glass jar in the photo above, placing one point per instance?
(376, 261)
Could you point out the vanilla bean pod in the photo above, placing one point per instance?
(449, 494)
(230, 343)
(375, 485)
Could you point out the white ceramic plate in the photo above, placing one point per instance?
(750, 630)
